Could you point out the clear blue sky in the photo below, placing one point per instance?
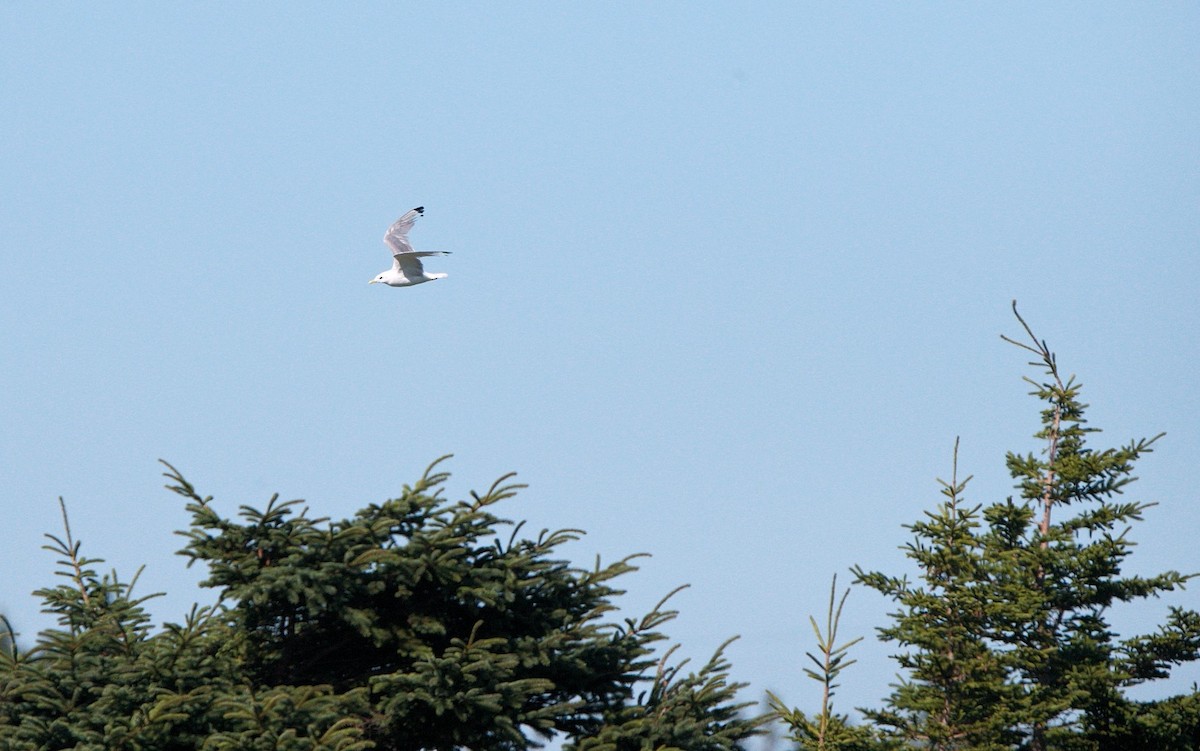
(726, 284)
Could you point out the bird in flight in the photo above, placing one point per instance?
(406, 263)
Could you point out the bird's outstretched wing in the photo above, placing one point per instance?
(409, 263)
(397, 234)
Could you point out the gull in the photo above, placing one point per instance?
(406, 263)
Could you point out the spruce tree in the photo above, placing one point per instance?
(954, 681)
(1006, 638)
(827, 730)
(418, 623)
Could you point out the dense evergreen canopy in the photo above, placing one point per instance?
(416, 624)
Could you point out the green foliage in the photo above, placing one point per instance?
(100, 680)
(672, 715)
(412, 625)
(1005, 634)
(955, 681)
(1169, 725)
(826, 731)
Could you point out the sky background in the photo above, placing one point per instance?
(726, 283)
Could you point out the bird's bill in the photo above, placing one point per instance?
(372, 281)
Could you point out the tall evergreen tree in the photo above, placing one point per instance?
(1007, 638)
(955, 682)
(412, 625)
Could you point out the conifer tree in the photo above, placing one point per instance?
(1054, 565)
(412, 625)
(827, 730)
(1007, 638)
(955, 682)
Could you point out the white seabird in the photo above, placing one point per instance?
(406, 263)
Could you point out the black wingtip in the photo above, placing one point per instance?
(420, 209)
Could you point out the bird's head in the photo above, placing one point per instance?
(378, 279)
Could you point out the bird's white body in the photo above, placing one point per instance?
(394, 278)
(406, 267)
